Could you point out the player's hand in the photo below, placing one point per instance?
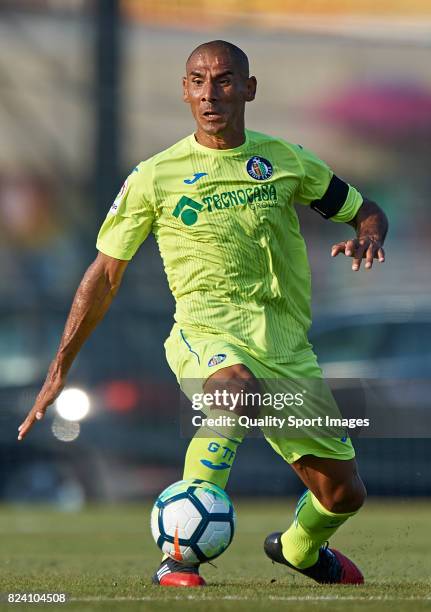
(48, 394)
(367, 248)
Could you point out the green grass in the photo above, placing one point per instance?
(103, 559)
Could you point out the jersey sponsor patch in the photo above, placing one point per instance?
(255, 198)
(259, 168)
(216, 359)
(187, 209)
(114, 208)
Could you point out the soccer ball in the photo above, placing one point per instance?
(193, 521)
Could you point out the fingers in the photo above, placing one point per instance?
(337, 248)
(35, 414)
(24, 428)
(370, 254)
(364, 248)
(48, 394)
(374, 251)
(358, 254)
(351, 247)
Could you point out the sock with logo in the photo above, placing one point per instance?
(312, 527)
(210, 456)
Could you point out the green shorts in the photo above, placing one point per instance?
(195, 355)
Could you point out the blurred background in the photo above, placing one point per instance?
(90, 88)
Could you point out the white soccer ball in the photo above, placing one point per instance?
(193, 521)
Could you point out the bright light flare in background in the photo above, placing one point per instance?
(73, 404)
(65, 431)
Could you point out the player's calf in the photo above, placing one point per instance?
(212, 451)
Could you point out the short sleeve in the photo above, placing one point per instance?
(129, 220)
(350, 207)
(316, 176)
(323, 191)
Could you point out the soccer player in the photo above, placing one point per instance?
(220, 203)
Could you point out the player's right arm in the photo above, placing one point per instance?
(126, 226)
(94, 295)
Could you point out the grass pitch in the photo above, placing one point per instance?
(103, 558)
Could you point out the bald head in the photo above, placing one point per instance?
(217, 86)
(222, 47)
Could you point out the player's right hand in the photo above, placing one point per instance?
(47, 395)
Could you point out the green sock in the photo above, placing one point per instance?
(312, 527)
(210, 457)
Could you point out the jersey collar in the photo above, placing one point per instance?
(219, 152)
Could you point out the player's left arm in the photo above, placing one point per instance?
(335, 199)
(371, 225)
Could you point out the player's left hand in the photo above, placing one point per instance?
(366, 247)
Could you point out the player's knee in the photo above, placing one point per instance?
(348, 497)
(237, 389)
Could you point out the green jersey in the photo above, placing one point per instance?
(229, 235)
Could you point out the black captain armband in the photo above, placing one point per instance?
(333, 200)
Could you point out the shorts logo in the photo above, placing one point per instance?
(187, 209)
(216, 359)
(259, 168)
(114, 208)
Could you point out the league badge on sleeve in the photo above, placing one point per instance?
(114, 208)
(259, 168)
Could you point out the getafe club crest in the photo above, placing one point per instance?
(259, 168)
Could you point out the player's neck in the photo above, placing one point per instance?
(221, 141)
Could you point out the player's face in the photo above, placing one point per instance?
(217, 91)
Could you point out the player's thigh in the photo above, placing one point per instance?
(238, 389)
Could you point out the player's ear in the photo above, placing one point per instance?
(185, 90)
(251, 89)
